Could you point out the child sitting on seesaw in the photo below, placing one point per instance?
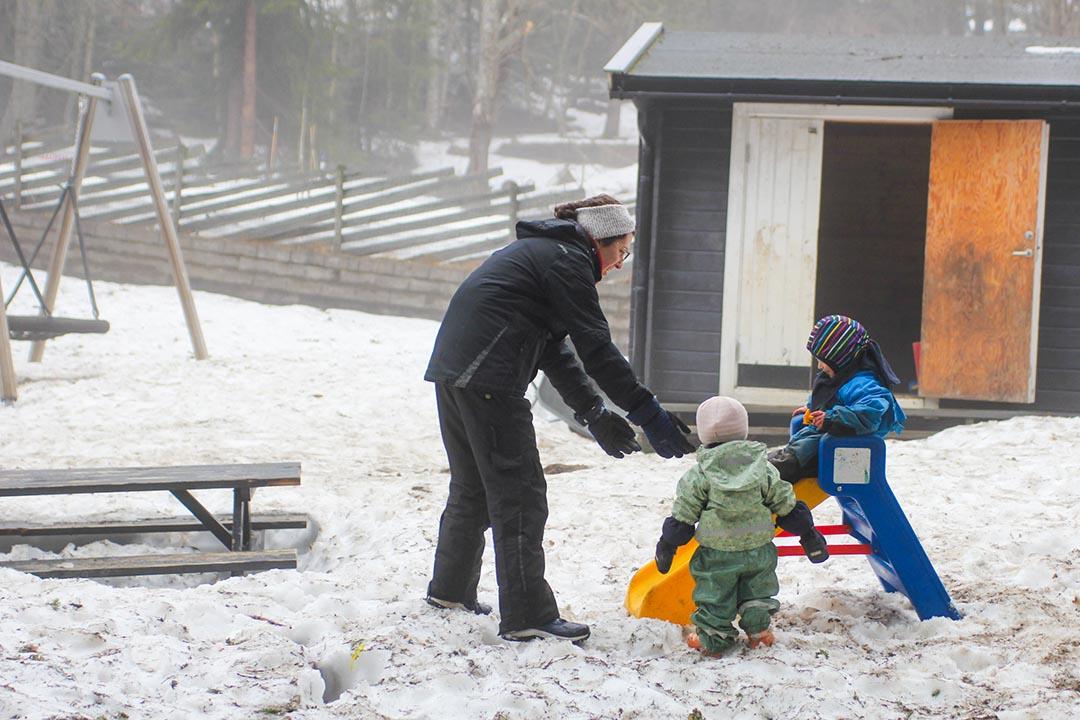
(850, 395)
(729, 494)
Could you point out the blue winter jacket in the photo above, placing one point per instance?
(863, 404)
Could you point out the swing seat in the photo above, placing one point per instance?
(39, 327)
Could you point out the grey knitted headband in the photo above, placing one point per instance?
(604, 221)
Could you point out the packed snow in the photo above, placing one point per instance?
(1052, 49)
(348, 634)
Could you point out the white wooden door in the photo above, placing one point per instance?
(779, 240)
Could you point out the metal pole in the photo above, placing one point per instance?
(18, 163)
(78, 168)
(153, 179)
(8, 390)
(339, 205)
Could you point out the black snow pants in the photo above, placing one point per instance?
(496, 481)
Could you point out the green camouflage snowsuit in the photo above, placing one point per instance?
(730, 494)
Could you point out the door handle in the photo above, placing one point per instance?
(1023, 253)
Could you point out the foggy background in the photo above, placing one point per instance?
(361, 81)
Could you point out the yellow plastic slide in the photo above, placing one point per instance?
(669, 597)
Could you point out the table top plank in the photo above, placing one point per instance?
(14, 483)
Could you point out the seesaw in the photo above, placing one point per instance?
(852, 470)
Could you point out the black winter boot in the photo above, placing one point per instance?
(786, 463)
(476, 608)
(558, 628)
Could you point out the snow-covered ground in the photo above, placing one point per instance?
(348, 634)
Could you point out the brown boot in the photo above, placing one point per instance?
(695, 642)
(765, 637)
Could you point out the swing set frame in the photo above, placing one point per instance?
(121, 94)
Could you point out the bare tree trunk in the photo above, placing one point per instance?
(487, 86)
(1001, 21)
(31, 17)
(247, 120)
(502, 31)
(560, 81)
(978, 9)
(438, 44)
(1064, 17)
(331, 94)
(84, 33)
(364, 78)
(953, 17)
(234, 109)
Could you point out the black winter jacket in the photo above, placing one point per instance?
(512, 315)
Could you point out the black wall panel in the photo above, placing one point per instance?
(683, 347)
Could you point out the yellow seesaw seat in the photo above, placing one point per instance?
(669, 597)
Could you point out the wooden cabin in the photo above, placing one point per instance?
(928, 187)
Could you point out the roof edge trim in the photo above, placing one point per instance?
(632, 50)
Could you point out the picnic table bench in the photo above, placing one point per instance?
(235, 532)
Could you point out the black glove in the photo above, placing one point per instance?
(665, 431)
(611, 432)
(665, 553)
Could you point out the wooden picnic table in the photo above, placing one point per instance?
(180, 480)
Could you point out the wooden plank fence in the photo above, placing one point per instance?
(434, 214)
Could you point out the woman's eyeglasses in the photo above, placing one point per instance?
(624, 254)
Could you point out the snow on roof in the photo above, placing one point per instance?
(985, 60)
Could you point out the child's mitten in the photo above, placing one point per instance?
(675, 533)
(665, 553)
(813, 543)
(798, 521)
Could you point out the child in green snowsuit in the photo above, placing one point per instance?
(730, 495)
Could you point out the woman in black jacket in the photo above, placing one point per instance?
(510, 318)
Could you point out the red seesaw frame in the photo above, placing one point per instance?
(837, 549)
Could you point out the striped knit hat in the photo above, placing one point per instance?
(837, 340)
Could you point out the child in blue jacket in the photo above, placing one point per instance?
(850, 395)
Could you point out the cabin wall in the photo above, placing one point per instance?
(681, 354)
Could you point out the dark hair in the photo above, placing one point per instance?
(568, 211)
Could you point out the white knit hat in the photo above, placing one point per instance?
(604, 221)
(720, 419)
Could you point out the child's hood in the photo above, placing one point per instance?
(735, 465)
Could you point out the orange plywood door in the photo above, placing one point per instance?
(983, 260)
